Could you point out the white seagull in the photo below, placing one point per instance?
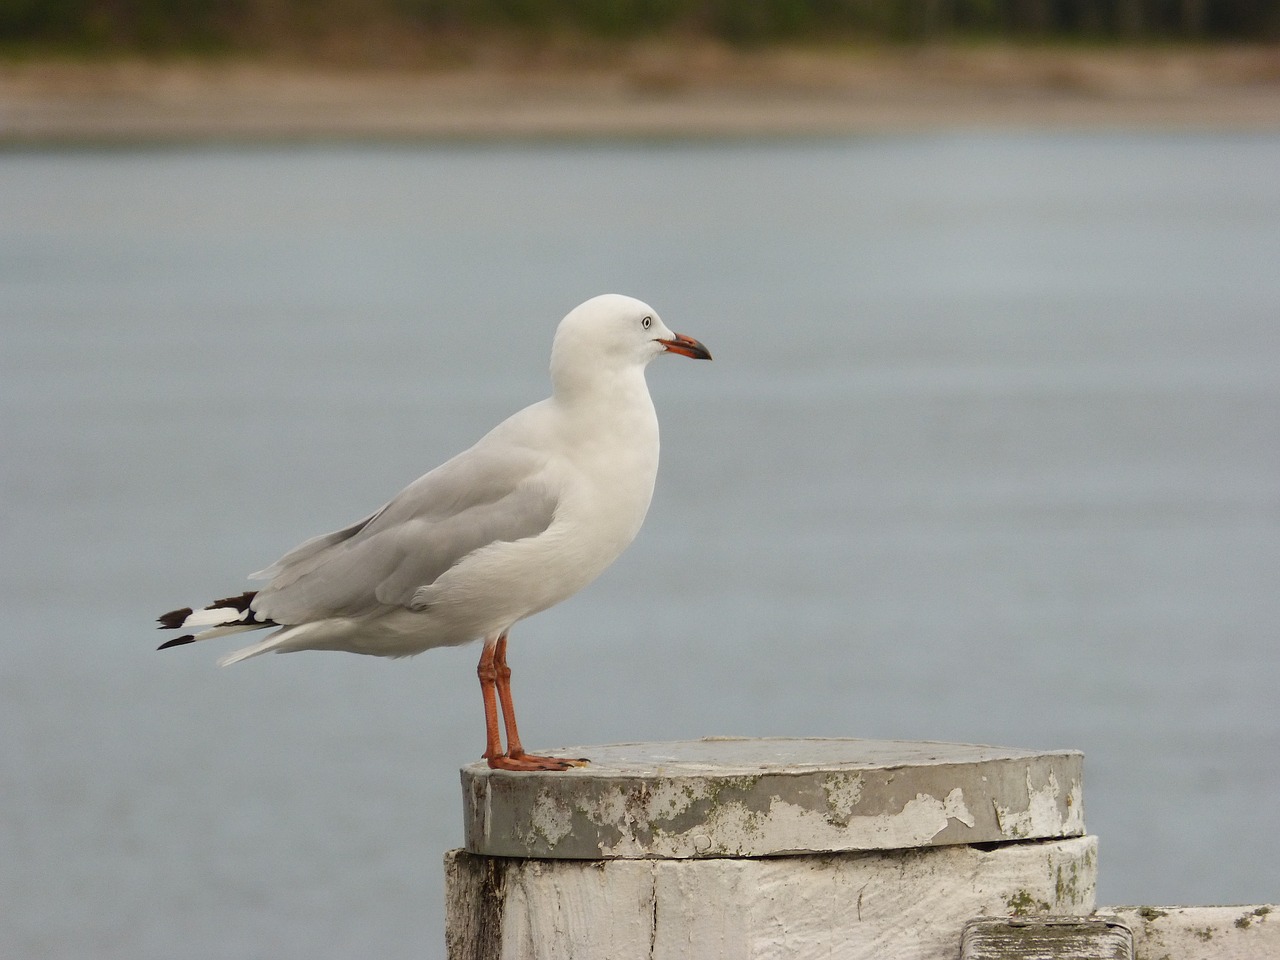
(527, 517)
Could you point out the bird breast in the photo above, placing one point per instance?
(610, 483)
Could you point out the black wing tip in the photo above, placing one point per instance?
(176, 618)
(177, 642)
(240, 603)
(173, 619)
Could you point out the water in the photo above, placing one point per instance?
(990, 452)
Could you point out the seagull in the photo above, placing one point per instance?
(526, 518)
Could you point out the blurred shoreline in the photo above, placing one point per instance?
(643, 90)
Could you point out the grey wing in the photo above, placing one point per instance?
(468, 503)
(295, 560)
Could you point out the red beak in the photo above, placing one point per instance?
(686, 347)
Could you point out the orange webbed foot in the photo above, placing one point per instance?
(532, 763)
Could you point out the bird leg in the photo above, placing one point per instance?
(514, 747)
(495, 687)
(488, 675)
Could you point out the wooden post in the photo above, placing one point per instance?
(731, 848)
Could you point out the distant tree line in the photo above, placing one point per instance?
(880, 19)
(196, 24)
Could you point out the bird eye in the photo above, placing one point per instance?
(647, 322)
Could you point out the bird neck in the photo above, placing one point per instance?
(596, 387)
(613, 401)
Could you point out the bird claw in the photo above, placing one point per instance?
(529, 762)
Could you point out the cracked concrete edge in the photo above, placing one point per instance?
(687, 813)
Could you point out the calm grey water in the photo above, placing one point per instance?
(990, 452)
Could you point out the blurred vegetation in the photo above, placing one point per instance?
(257, 25)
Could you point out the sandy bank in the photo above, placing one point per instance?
(690, 90)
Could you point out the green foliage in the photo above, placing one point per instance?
(872, 19)
(135, 24)
(187, 24)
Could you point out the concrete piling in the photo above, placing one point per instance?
(744, 848)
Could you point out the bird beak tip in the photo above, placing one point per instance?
(686, 347)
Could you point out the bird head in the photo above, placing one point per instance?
(613, 332)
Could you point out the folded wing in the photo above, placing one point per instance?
(472, 501)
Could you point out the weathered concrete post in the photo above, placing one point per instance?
(734, 848)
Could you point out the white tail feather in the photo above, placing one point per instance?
(223, 630)
(274, 643)
(244, 653)
(213, 617)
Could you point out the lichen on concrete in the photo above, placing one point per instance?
(843, 791)
(1022, 904)
(1075, 880)
(1246, 920)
